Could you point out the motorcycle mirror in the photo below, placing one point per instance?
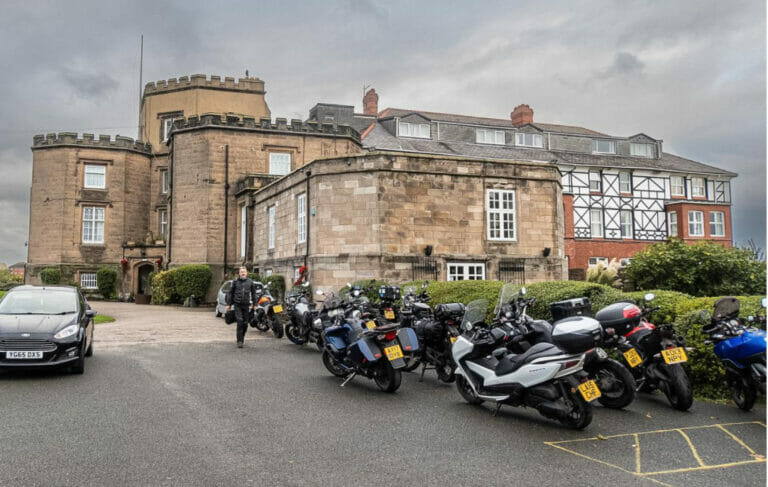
(649, 297)
(523, 291)
(762, 302)
(319, 292)
(468, 326)
(750, 318)
(349, 285)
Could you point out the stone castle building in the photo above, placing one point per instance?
(396, 194)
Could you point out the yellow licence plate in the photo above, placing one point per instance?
(394, 352)
(370, 325)
(277, 308)
(674, 355)
(632, 357)
(453, 340)
(389, 314)
(589, 390)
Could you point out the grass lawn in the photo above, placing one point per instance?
(2, 293)
(98, 319)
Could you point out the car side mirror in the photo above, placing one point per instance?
(649, 297)
(90, 313)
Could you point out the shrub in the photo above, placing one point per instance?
(163, 288)
(605, 274)
(701, 269)
(106, 280)
(667, 300)
(705, 370)
(370, 288)
(50, 276)
(549, 292)
(8, 277)
(191, 280)
(276, 286)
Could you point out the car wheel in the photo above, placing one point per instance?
(79, 366)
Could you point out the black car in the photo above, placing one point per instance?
(45, 327)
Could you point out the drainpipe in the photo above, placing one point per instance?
(309, 215)
(226, 206)
(169, 206)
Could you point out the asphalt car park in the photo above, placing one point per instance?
(154, 413)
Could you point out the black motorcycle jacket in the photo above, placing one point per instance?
(242, 292)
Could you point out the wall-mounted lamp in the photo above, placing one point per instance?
(546, 251)
(428, 250)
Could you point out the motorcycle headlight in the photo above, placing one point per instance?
(66, 332)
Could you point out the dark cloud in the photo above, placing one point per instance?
(690, 72)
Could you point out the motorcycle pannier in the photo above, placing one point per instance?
(577, 334)
(570, 307)
(449, 311)
(622, 317)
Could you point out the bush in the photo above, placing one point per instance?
(370, 288)
(549, 292)
(701, 269)
(192, 280)
(605, 274)
(8, 277)
(667, 300)
(106, 280)
(164, 288)
(50, 276)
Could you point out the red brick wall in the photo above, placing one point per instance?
(682, 222)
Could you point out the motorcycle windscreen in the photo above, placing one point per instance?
(726, 308)
(507, 294)
(474, 314)
(408, 339)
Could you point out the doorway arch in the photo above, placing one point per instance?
(143, 288)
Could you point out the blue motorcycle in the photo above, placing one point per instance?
(741, 349)
(354, 347)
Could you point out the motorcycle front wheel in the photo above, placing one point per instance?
(615, 382)
(387, 378)
(743, 392)
(292, 333)
(580, 414)
(466, 391)
(332, 365)
(445, 372)
(277, 327)
(677, 388)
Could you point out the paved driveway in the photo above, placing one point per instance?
(151, 412)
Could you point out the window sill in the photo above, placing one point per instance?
(502, 240)
(93, 188)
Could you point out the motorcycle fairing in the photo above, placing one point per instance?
(739, 348)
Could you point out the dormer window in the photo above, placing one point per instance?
(420, 130)
(603, 146)
(641, 150)
(528, 140)
(486, 136)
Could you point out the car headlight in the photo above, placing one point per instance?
(67, 332)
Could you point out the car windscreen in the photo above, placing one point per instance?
(39, 302)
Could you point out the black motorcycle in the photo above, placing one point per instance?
(654, 354)
(436, 335)
(266, 312)
(301, 315)
(616, 384)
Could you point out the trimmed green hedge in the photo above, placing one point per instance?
(177, 284)
(370, 287)
(163, 288)
(106, 280)
(50, 276)
(276, 284)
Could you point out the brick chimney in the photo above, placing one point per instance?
(371, 102)
(522, 115)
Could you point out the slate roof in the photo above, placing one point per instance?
(379, 138)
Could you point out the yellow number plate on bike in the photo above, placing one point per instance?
(674, 355)
(394, 352)
(632, 357)
(370, 325)
(277, 308)
(589, 390)
(389, 314)
(453, 340)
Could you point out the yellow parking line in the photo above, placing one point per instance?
(705, 467)
(658, 431)
(693, 448)
(738, 440)
(637, 453)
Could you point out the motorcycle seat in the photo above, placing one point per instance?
(512, 362)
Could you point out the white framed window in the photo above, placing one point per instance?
(243, 229)
(626, 223)
(641, 150)
(95, 176)
(279, 163)
(93, 224)
(716, 224)
(625, 183)
(500, 207)
(604, 146)
(88, 280)
(596, 222)
(267, 272)
(595, 182)
(593, 261)
(271, 227)
(676, 186)
(420, 130)
(167, 126)
(697, 187)
(164, 181)
(529, 140)
(672, 223)
(488, 136)
(163, 222)
(301, 217)
(695, 224)
(465, 271)
(296, 273)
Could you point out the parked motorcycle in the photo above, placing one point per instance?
(654, 354)
(547, 377)
(301, 315)
(415, 307)
(352, 349)
(741, 349)
(436, 336)
(616, 384)
(266, 312)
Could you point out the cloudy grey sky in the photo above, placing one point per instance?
(690, 72)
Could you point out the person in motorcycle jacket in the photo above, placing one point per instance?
(242, 296)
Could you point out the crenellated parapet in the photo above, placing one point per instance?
(71, 139)
(294, 126)
(250, 85)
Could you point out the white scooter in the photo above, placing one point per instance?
(544, 377)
